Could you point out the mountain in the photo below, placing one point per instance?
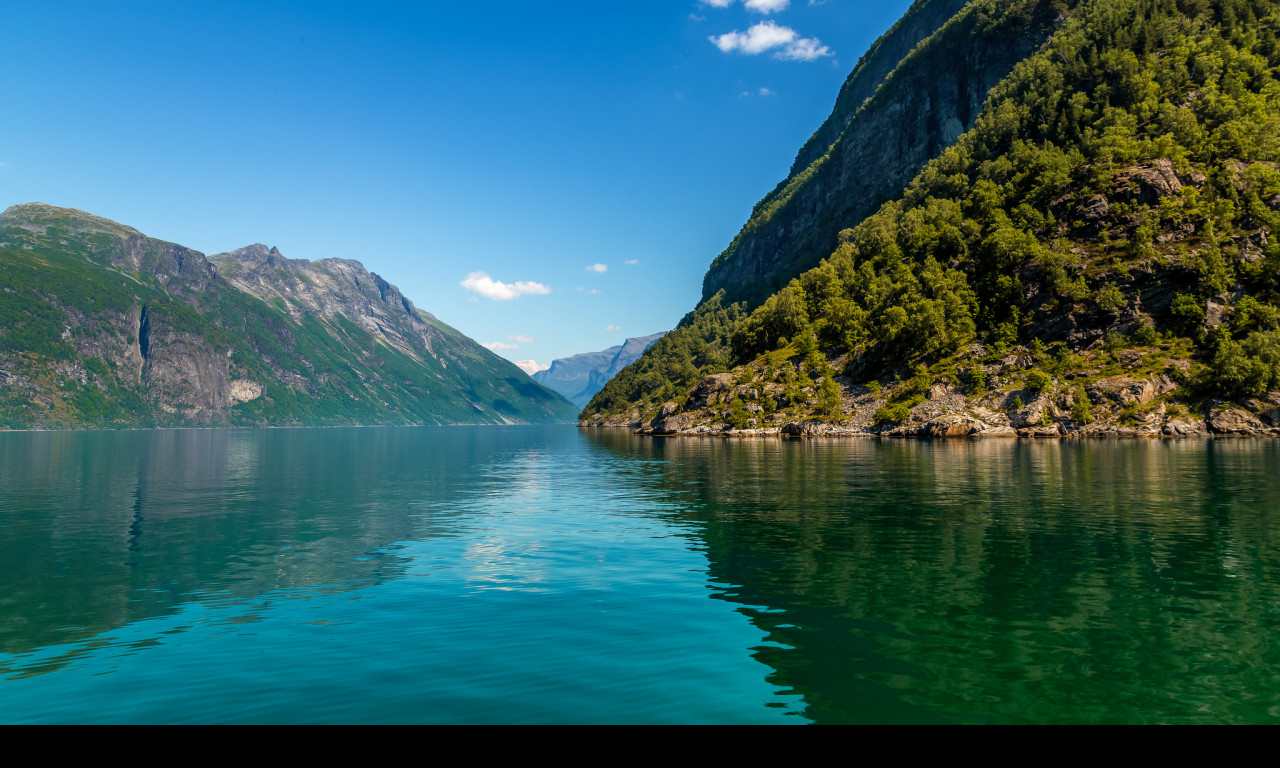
(1048, 217)
(578, 378)
(102, 326)
(918, 88)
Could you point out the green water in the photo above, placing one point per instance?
(550, 575)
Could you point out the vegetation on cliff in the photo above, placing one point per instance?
(1111, 212)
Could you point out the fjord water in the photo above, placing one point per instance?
(546, 574)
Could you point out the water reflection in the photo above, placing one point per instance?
(99, 530)
(552, 575)
(981, 581)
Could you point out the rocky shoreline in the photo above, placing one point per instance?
(1121, 406)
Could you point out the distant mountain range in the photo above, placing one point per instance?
(102, 326)
(580, 377)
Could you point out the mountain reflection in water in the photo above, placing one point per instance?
(532, 574)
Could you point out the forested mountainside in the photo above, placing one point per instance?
(101, 326)
(890, 119)
(1094, 255)
(581, 376)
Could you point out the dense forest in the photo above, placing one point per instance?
(1113, 202)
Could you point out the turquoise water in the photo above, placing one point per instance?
(548, 575)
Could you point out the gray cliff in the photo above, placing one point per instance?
(914, 93)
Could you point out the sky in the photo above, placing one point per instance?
(548, 178)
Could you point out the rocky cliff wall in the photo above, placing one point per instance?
(924, 104)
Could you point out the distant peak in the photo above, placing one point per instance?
(43, 215)
(256, 253)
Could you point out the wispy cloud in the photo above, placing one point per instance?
(759, 6)
(498, 346)
(598, 268)
(631, 261)
(480, 283)
(766, 6)
(759, 92)
(803, 49)
(612, 327)
(786, 43)
(530, 366)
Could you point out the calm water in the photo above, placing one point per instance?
(550, 575)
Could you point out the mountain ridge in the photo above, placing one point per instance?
(579, 377)
(102, 326)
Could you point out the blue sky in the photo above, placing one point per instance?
(589, 158)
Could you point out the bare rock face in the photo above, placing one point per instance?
(1185, 428)
(1095, 209)
(711, 390)
(244, 390)
(1051, 430)
(1155, 181)
(668, 421)
(1122, 390)
(954, 425)
(1228, 419)
(1215, 311)
(1034, 414)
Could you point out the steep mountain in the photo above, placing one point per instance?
(578, 378)
(102, 326)
(914, 93)
(1092, 252)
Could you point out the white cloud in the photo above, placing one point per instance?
(598, 268)
(759, 6)
(804, 49)
(499, 346)
(481, 283)
(757, 39)
(530, 366)
(766, 6)
(612, 327)
(768, 35)
(765, 92)
(521, 338)
(631, 261)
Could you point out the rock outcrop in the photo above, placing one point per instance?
(756, 400)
